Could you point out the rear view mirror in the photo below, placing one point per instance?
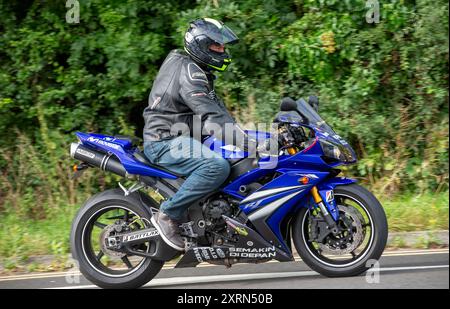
(288, 104)
(314, 102)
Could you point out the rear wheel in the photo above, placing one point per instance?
(362, 239)
(100, 219)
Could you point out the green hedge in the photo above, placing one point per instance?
(382, 86)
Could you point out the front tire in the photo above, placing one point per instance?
(85, 248)
(374, 229)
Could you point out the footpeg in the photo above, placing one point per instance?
(187, 230)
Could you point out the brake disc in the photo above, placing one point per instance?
(347, 243)
(109, 232)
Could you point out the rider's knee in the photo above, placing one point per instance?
(225, 167)
(221, 169)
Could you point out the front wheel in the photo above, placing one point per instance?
(363, 238)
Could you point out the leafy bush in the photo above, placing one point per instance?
(382, 86)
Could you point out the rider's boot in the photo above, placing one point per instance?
(169, 230)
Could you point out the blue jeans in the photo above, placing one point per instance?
(206, 170)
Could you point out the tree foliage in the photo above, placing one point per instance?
(382, 86)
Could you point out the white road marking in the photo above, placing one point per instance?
(240, 277)
(171, 265)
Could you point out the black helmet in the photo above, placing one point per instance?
(199, 37)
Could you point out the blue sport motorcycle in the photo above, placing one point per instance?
(336, 226)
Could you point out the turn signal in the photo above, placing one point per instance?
(304, 180)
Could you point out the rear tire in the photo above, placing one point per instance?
(375, 246)
(146, 270)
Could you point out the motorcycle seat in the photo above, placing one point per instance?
(134, 141)
(140, 156)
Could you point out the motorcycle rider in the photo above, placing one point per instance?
(184, 87)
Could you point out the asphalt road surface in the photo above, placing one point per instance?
(423, 269)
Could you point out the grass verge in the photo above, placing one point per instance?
(409, 213)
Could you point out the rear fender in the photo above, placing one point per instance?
(137, 198)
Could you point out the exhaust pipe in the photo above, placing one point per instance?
(104, 161)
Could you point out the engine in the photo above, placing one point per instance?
(213, 211)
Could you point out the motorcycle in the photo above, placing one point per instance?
(336, 226)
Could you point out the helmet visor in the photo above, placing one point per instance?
(223, 35)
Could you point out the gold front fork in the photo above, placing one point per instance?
(292, 151)
(326, 215)
(316, 195)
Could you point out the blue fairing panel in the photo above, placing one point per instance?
(334, 182)
(267, 206)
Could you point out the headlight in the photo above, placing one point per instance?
(332, 151)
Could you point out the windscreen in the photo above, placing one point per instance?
(314, 120)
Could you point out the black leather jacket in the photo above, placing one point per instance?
(181, 90)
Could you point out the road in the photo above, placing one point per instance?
(423, 269)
